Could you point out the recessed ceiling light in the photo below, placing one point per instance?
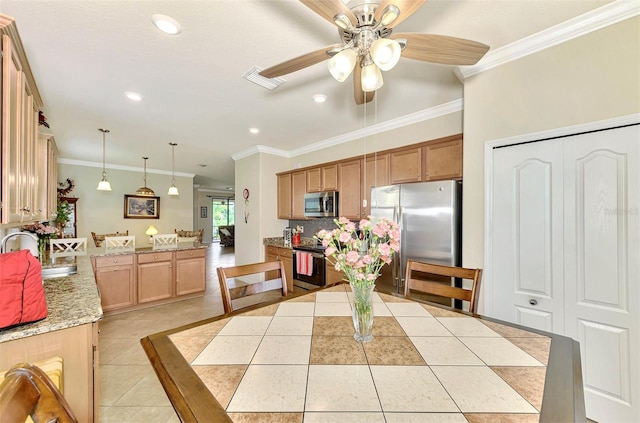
(319, 98)
(254, 130)
(166, 24)
(133, 96)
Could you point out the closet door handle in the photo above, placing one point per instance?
(533, 301)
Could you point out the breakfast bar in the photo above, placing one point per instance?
(295, 359)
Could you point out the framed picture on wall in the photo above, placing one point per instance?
(203, 212)
(141, 207)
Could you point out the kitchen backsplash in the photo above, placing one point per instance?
(312, 226)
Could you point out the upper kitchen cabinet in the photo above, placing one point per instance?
(349, 188)
(443, 159)
(406, 165)
(284, 196)
(20, 103)
(324, 178)
(374, 174)
(432, 161)
(292, 186)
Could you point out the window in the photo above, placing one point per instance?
(222, 214)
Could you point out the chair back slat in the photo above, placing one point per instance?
(120, 243)
(28, 391)
(98, 239)
(422, 284)
(67, 247)
(165, 241)
(265, 269)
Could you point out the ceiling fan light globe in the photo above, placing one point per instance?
(390, 14)
(385, 53)
(342, 21)
(371, 78)
(341, 65)
(104, 185)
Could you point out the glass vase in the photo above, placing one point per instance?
(362, 311)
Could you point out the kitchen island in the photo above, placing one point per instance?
(146, 277)
(70, 331)
(296, 359)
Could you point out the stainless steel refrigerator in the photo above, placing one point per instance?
(429, 216)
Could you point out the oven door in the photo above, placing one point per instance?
(309, 269)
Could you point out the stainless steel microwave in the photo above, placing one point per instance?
(321, 204)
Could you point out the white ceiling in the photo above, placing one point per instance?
(86, 54)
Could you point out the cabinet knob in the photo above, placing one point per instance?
(115, 260)
(533, 301)
(155, 257)
(190, 254)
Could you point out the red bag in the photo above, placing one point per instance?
(21, 291)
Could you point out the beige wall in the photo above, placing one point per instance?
(594, 77)
(103, 212)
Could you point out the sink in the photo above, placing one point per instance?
(59, 271)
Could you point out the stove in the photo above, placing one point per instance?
(309, 266)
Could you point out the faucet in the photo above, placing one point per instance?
(3, 243)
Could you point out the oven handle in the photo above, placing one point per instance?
(315, 255)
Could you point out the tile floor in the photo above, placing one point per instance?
(129, 389)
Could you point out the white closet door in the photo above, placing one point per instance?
(526, 243)
(602, 267)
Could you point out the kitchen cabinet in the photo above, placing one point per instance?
(443, 160)
(20, 103)
(115, 278)
(155, 276)
(284, 196)
(405, 166)
(273, 253)
(323, 178)
(298, 190)
(349, 188)
(332, 275)
(52, 178)
(190, 271)
(375, 174)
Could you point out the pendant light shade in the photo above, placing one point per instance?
(145, 191)
(103, 185)
(173, 189)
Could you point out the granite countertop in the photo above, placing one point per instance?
(71, 301)
(100, 251)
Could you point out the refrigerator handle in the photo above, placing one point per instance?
(400, 276)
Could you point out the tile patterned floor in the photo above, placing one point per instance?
(314, 371)
(129, 389)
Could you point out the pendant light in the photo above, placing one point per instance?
(145, 191)
(103, 185)
(173, 189)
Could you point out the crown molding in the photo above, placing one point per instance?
(260, 149)
(119, 167)
(586, 23)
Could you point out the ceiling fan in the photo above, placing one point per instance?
(369, 44)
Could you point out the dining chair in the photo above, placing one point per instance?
(27, 391)
(427, 277)
(120, 243)
(165, 241)
(250, 279)
(67, 247)
(98, 239)
(189, 235)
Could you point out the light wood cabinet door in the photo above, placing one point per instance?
(314, 180)
(298, 190)
(375, 174)
(286, 255)
(155, 277)
(191, 272)
(332, 275)
(284, 196)
(324, 178)
(349, 188)
(116, 285)
(443, 160)
(406, 166)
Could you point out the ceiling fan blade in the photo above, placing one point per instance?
(442, 49)
(407, 7)
(360, 96)
(328, 9)
(299, 62)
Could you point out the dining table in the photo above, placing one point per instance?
(294, 359)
